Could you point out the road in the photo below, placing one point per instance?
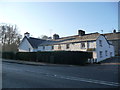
(59, 76)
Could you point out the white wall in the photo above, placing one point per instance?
(46, 48)
(105, 47)
(76, 46)
(90, 44)
(25, 46)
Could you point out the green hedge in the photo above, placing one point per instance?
(9, 55)
(27, 56)
(56, 57)
(64, 57)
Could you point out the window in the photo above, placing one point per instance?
(67, 46)
(59, 46)
(52, 47)
(106, 52)
(29, 49)
(100, 43)
(110, 54)
(43, 47)
(82, 45)
(100, 54)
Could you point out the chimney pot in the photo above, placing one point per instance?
(114, 31)
(27, 34)
(55, 36)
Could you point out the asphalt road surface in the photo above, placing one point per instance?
(61, 76)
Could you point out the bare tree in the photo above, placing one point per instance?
(9, 37)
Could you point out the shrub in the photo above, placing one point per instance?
(27, 56)
(57, 57)
(8, 55)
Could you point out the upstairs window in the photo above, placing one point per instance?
(67, 46)
(82, 45)
(100, 43)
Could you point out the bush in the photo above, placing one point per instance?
(8, 55)
(64, 57)
(27, 56)
(56, 57)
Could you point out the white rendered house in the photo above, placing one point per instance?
(29, 44)
(94, 42)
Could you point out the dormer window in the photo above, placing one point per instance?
(100, 43)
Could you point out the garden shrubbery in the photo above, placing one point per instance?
(56, 57)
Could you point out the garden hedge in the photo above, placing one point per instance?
(9, 55)
(56, 57)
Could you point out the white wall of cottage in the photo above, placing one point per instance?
(106, 49)
(72, 47)
(91, 44)
(45, 48)
(25, 46)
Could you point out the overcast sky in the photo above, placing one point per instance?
(63, 18)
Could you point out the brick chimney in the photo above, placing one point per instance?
(55, 36)
(81, 32)
(114, 31)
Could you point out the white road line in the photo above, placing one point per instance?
(74, 78)
(87, 80)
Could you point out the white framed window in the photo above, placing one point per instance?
(106, 53)
(43, 47)
(110, 54)
(59, 46)
(101, 54)
(67, 46)
(82, 45)
(29, 50)
(52, 47)
(100, 43)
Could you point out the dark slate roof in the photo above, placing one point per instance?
(87, 37)
(35, 42)
(72, 39)
(112, 36)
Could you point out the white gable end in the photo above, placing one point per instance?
(25, 46)
(104, 49)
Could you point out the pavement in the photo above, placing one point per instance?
(34, 63)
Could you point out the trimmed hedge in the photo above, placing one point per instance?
(64, 57)
(56, 57)
(9, 55)
(27, 56)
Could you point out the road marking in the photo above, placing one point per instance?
(86, 80)
(73, 78)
